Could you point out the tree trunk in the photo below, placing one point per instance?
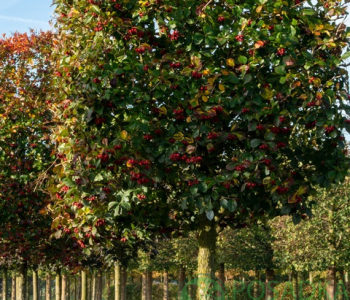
(331, 283)
(68, 288)
(58, 285)
(117, 282)
(144, 293)
(165, 285)
(89, 280)
(270, 275)
(310, 277)
(182, 278)
(48, 287)
(83, 287)
(123, 280)
(4, 284)
(192, 288)
(220, 294)
(206, 258)
(22, 283)
(35, 285)
(99, 285)
(13, 287)
(346, 281)
(295, 283)
(341, 288)
(93, 285)
(64, 287)
(149, 285)
(108, 285)
(256, 285)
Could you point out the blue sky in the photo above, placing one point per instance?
(20, 15)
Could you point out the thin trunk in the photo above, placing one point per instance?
(192, 288)
(39, 288)
(144, 286)
(93, 285)
(256, 285)
(149, 285)
(341, 288)
(331, 283)
(13, 287)
(165, 285)
(99, 285)
(117, 282)
(123, 283)
(48, 287)
(79, 287)
(83, 287)
(182, 278)
(35, 285)
(75, 288)
(89, 280)
(270, 275)
(58, 285)
(68, 288)
(22, 283)
(63, 287)
(4, 284)
(108, 285)
(206, 257)
(295, 283)
(310, 277)
(346, 281)
(220, 294)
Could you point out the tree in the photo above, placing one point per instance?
(212, 110)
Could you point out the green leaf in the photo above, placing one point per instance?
(98, 177)
(210, 215)
(68, 182)
(247, 78)
(198, 38)
(184, 204)
(254, 143)
(232, 205)
(242, 59)
(280, 70)
(285, 210)
(111, 204)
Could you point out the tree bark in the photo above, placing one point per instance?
(58, 285)
(165, 285)
(341, 289)
(89, 280)
(4, 284)
(93, 285)
(83, 287)
(149, 285)
(206, 258)
(117, 282)
(68, 288)
(48, 287)
(22, 283)
(192, 288)
(108, 285)
(270, 275)
(35, 285)
(295, 284)
(310, 277)
(144, 293)
(13, 287)
(182, 278)
(63, 287)
(123, 283)
(331, 283)
(220, 294)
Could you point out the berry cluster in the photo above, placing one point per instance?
(193, 182)
(282, 190)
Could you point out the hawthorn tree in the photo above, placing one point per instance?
(213, 111)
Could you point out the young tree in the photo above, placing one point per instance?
(213, 109)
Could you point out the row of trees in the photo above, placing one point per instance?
(138, 122)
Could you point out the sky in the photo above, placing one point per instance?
(22, 15)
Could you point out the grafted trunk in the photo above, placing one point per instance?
(165, 285)
(144, 286)
(58, 285)
(270, 276)
(206, 258)
(295, 283)
(48, 287)
(13, 287)
(83, 287)
(4, 284)
(117, 282)
(331, 283)
(221, 277)
(64, 287)
(35, 285)
(149, 285)
(182, 278)
(123, 283)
